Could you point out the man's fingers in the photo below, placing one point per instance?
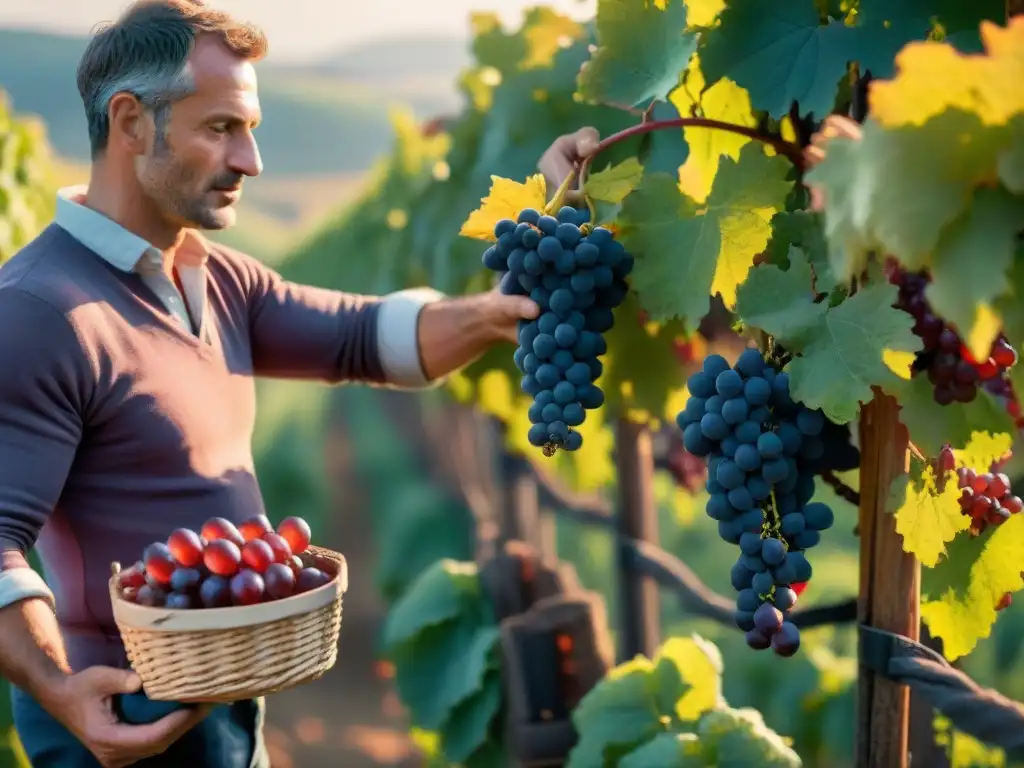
(586, 140)
(159, 734)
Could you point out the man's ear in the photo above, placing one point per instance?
(128, 123)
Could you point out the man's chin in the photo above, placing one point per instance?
(216, 219)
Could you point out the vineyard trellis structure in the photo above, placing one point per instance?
(537, 499)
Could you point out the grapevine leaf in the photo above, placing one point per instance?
(679, 750)
(1011, 306)
(640, 369)
(933, 78)
(780, 53)
(932, 425)
(884, 28)
(983, 450)
(804, 230)
(723, 101)
(505, 201)
(613, 184)
(444, 665)
(466, 729)
(782, 303)
(740, 737)
(491, 755)
(928, 518)
(960, 290)
(619, 712)
(959, 596)
(664, 151)
(688, 254)
(439, 594)
(642, 48)
(847, 354)
(688, 673)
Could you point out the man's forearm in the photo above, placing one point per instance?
(452, 334)
(32, 654)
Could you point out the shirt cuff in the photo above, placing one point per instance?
(17, 584)
(397, 332)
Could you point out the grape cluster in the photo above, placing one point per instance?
(576, 273)
(687, 471)
(223, 565)
(947, 361)
(763, 450)
(986, 497)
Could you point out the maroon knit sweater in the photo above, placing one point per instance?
(118, 425)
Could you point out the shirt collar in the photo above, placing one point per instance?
(113, 243)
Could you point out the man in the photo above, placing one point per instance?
(129, 346)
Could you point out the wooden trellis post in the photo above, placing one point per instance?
(639, 610)
(889, 585)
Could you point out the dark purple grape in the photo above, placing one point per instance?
(757, 641)
(786, 641)
(767, 619)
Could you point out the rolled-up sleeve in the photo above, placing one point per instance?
(42, 386)
(305, 332)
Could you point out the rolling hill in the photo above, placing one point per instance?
(330, 117)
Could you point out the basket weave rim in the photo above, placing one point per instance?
(135, 616)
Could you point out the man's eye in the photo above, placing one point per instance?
(219, 128)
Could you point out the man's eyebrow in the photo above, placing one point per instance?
(235, 118)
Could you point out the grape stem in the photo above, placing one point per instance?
(786, 148)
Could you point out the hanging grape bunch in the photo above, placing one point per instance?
(762, 452)
(576, 273)
(945, 359)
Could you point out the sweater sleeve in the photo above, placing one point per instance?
(41, 386)
(305, 332)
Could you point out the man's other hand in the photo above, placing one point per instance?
(501, 314)
(83, 703)
(563, 155)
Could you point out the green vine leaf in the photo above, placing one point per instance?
(932, 425)
(686, 252)
(855, 347)
(439, 594)
(781, 303)
(679, 750)
(466, 729)
(613, 184)
(642, 49)
(740, 737)
(804, 230)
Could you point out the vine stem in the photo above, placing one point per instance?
(788, 149)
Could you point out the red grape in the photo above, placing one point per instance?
(310, 579)
(296, 532)
(255, 527)
(159, 562)
(180, 601)
(1003, 354)
(185, 579)
(133, 577)
(222, 557)
(295, 563)
(947, 460)
(999, 486)
(279, 545)
(1004, 601)
(1013, 504)
(186, 546)
(151, 596)
(280, 581)
(219, 528)
(246, 587)
(215, 592)
(130, 594)
(257, 554)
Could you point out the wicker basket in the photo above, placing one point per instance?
(228, 654)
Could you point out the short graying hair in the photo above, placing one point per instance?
(146, 51)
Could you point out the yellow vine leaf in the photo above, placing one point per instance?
(699, 664)
(504, 201)
(928, 518)
(934, 77)
(983, 450)
(722, 101)
(973, 579)
(986, 328)
(899, 362)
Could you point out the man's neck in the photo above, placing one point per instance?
(107, 195)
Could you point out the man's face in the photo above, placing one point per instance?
(203, 145)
